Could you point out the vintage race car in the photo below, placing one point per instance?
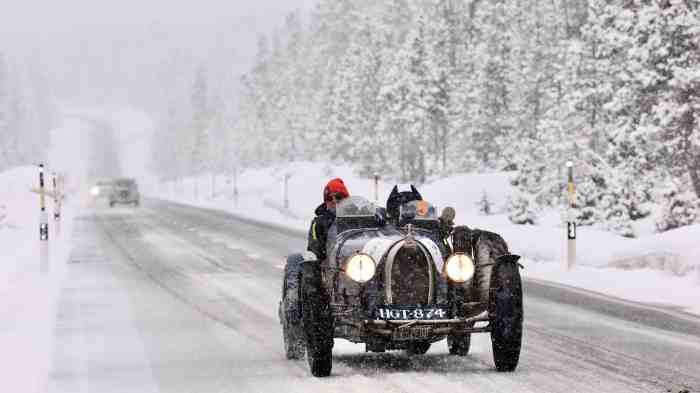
(402, 286)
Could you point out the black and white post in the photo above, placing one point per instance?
(235, 186)
(56, 204)
(286, 190)
(571, 217)
(376, 188)
(43, 224)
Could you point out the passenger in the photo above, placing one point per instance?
(400, 194)
(334, 192)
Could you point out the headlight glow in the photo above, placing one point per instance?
(95, 191)
(360, 268)
(459, 268)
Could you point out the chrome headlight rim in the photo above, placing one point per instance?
(360, 267)
(460, 267)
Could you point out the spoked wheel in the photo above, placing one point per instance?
(418, 348)
(506, 314)
(318, 324)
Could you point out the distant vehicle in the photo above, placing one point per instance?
(124, 191)
(402, 287)
(101, 189)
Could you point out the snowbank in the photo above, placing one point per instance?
(27, 308)
(658, 268)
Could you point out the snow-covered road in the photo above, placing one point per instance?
(171, 298)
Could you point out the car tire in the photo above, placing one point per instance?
(417, 348)
(111, 204)
(137, 204)
(506, 314)
(459, 345)
(293, 342)
(290, 309)
(488, 247)
(317, 321)
(320, 363)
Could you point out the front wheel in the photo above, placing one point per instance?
(293, 342)
(289, 309)
(506, 314)
(417, 348)
(318, 324)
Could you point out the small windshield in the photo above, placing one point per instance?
(355, 206)
(418, 210)
(124, 182)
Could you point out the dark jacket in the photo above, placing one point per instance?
(318, 233)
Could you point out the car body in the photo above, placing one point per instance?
(402, 286)
(101, 189)
(124, 191)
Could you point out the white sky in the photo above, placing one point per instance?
(62, 15)
(135, 52)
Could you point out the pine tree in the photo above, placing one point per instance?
(484, 204)
(680, 208)
(521, 210)
(200, 123)
(5, 131)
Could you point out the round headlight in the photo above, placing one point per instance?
(459, 268)
(95, 191)
(360, 267)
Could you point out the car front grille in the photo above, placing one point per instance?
(410, 277)
(124, 194)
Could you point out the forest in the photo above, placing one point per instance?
(417, 91)
(27, 113)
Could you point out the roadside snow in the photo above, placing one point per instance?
(27, 308)
(663, 269)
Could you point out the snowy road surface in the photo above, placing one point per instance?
(169, 298)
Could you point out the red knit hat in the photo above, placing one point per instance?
(335, 187)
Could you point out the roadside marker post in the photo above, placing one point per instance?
(571, 217)
(286, 190)
(376, 188)
(235, 186)
(56, 204)
(43, 224)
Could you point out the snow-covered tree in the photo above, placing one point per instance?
(484, 205)
(200, 124)
(680, 208)
(521, 210)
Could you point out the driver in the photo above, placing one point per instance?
(334, 192)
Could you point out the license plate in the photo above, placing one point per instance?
(412, 333)
(390, 313)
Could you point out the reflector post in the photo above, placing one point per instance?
(571, 217)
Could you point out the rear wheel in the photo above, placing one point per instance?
(506, 315)
(417, 348)
(318, 324)
(459, 345)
